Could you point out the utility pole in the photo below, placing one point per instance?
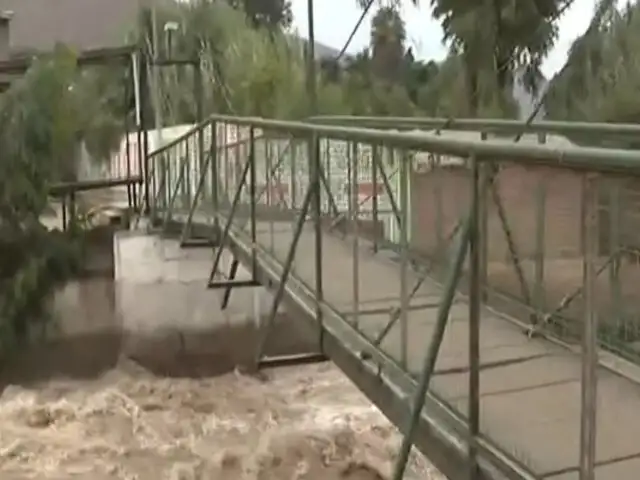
(311, 62)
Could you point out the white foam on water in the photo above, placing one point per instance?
(303, 423)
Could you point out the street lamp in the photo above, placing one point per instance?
(169, 29)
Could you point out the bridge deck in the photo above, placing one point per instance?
(530, 388)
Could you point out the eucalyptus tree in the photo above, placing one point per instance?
(602, 74)
(500, 36)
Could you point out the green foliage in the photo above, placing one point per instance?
(43, 118)
(499, 36)
(251, 70)
(271, 14)
(602, 77)
(34, 261)
(254, 70)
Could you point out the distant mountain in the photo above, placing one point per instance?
(325, 51)
(322, 51)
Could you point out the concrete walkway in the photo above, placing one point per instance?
(530, 387)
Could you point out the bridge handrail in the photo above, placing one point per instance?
(604, 160)
(503, 126)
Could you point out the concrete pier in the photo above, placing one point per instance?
(151, 304)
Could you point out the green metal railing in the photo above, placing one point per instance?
(519, 227)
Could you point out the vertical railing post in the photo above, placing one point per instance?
(227, 162)
(214, 173)
(404, 255)
(375, 155)
(252, 201)
(292, 174)
(145, 131)
(127, 140)
(269, 191)
(589, 377)
(325, 163)
(615, 222)
(541, 215)
(314, 182)
(438, 205)
(186, 178)
(355, 232)
(166, 188)
(188, 173)
(483, 224)
(199, 97)
(475, 298)
(153, 161)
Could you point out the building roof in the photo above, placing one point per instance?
(83, 24)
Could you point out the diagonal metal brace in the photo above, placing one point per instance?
(225, 233)
(288, 265)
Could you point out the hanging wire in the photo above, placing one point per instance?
(365, 11)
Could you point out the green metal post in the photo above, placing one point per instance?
(439, 207)
(355, 232)
(196, 197)
(168, 159)
(589, 376)
(227, 162)
(199, 97)
(483, 219)
(375, 155)
(404, 256)
(615, 222)
(475, 299)
(315, 162)
(215, 175)
(350, 195)
(292, 174)
(174, 194)
(269, 190)
(539, 288)
(145, 131)
(327, 162)
(387, 186)
(252, 202)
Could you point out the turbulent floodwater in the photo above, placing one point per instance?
(301, 423)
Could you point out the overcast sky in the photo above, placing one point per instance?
(334, 20)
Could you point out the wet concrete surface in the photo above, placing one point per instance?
(158, 312)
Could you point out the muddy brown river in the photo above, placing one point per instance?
(299, 423)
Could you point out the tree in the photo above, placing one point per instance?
(388, 36)
(601, 76)
(272, 14)
(500, 36)
(40, 128)
(418, 75)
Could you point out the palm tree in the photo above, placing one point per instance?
(388, 37)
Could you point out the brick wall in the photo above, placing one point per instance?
(517, 187)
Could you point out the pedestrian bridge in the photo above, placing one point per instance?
(479, 291)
